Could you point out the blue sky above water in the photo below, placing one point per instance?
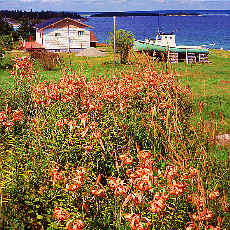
(113, 5)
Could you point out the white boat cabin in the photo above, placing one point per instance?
(168, 40)
(65, 35)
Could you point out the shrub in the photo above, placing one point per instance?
(48, 60)
(6, 62)
(6, 42)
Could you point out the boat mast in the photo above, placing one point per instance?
(158, 27)
(114, 40)
(158, 22)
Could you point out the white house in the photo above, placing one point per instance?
(64, 35)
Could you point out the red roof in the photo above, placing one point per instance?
(32, 45)
(93, 37)
(55, 21)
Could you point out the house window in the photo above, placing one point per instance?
(57, 34)
(80, 33)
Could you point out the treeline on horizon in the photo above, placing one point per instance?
(125, 14)
(20, 15)
(36, 16)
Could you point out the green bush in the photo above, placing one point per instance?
(124, 43)
(6, 42)
(6, 62)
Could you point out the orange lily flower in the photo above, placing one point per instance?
(126, 159)
(75, 225)
(61, 214)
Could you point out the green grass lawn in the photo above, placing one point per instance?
(210, 84)
(4, 78)
(208, 79)
(87, 66)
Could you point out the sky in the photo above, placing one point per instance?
(113, 5)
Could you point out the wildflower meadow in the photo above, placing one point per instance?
(106, 152)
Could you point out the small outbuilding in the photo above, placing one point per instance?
(65, 35)
(12, 22)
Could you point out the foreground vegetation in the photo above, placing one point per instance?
(209, 82)
(99, 146)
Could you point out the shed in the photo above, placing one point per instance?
(14, 23)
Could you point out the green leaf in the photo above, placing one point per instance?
(39, 217)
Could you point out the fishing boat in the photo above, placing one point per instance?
(164, 48)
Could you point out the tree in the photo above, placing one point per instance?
(5, 28)
(124, 42)
(26, 30)
(6, 41)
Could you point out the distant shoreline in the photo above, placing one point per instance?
(127, 14)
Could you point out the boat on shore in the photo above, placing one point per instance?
(164, 48)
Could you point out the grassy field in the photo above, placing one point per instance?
(210, 83)
(208, 79)
(204, 79)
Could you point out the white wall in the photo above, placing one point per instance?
(57, 38)
(38, 36)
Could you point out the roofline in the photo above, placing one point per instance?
(65, 19)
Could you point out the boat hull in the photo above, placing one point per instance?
(142, 46)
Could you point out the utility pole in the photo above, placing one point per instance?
(68, 37)
(158, 22)
(114, 40)
(186, 53)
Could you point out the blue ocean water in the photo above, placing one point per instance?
(211, 28)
